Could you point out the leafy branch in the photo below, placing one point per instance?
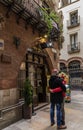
(49, 18)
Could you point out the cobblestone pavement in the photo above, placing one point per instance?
(41, 121)
(76, 100)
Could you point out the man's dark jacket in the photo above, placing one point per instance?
(56, 82)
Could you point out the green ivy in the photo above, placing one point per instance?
(49, 17)
(28, 92)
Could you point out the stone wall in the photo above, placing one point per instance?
(10, 61)
(10, 109)
(10, 116)
(9, 70)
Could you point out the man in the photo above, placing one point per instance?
(56, 99)
(62, 104)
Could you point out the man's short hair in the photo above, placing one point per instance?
(54, 72)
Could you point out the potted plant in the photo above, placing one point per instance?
(28, 98)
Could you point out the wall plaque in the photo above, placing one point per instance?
(5, 58)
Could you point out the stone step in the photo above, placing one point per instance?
(40, 105)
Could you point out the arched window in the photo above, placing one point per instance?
(74, 68)
(75, 74)
(63, 67)
(74, 65)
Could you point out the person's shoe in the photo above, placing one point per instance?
(61, 127)
(52, 123)
(62, 122)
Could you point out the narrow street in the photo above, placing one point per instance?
(74, 111)
(41, 121)
(76, 100)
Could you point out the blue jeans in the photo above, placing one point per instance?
(58, 113)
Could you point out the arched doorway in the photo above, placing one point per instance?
(36, 68)
(75, 73)
(63, 67)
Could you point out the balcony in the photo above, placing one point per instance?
(30, 12)
(74, 48)
(73, 23)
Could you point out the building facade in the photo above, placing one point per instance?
(21, 29)
(71, 55)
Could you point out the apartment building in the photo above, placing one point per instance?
(71, 55)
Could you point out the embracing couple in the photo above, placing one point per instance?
(57, 93)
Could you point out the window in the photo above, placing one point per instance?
(64, 2)
(74, 69)
(63, 67)
(73, 41)
(74, 65)
(74, 18)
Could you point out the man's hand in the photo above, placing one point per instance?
(50, 90)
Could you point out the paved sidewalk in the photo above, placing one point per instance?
(41, 121)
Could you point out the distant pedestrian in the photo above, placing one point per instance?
(40, 92)
(56, 99)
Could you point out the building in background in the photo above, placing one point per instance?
(71, 55)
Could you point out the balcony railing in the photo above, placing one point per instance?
(74, 48)
(29, 6)
(30, 11)
(73, 23)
